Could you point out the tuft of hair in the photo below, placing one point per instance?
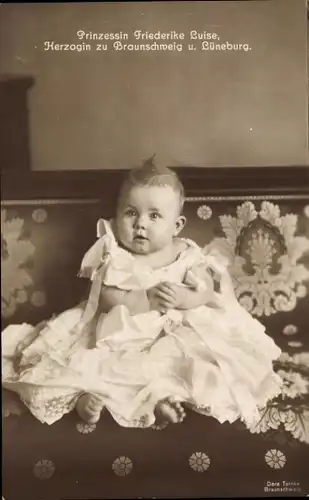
(150, 174)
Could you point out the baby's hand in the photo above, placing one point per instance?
(166, 296)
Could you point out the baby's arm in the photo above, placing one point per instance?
(135, 300)
(190, 298)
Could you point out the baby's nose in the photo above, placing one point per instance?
(140, 222)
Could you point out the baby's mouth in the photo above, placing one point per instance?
(140, 237)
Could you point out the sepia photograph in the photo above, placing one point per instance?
(154, 249)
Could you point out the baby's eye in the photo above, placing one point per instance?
(130, 213)
(155, 215)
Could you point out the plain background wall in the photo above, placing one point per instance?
(95, 110)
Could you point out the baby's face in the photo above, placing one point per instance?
(148, 218)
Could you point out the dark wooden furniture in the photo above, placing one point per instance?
(14, 123)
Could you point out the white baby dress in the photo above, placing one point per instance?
(217, 361)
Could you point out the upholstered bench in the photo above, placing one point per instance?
(261, 223)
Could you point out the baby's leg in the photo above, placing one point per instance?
(89, 407)
(169, 410)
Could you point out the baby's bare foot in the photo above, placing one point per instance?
(89, 407)
(171, 411)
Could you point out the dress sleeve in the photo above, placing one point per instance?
(206, 272)
(104, 262)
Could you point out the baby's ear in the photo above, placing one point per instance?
(180, 224)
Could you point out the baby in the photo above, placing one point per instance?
(153, 335)
(147, 223)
